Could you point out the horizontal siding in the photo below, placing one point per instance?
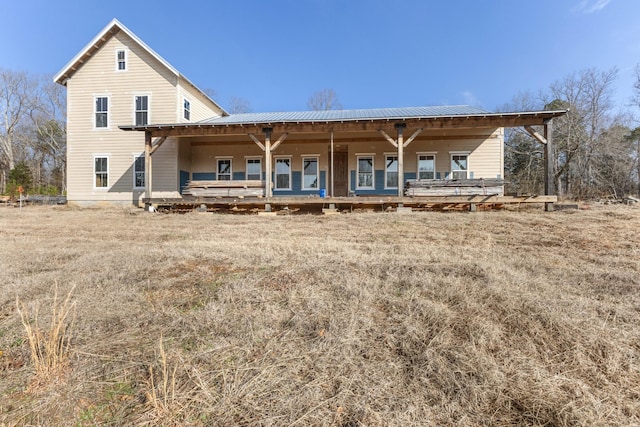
(99, 77)
(201, 108)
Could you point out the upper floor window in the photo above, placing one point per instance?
(121, 60)
(426, 166)
(187, 110)
(142, 110)
(102, 112)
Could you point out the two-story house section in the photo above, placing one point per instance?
(117, 80)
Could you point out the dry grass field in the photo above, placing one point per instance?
(492, 318)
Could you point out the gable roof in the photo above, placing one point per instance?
(99, 40)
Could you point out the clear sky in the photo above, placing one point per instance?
(372, 53)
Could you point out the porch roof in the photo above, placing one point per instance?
(434, 117)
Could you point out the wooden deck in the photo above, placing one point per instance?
(342, 204)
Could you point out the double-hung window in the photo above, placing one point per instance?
(254, 169)
(101, 112)
(224, 169)
(391, 171)
(459, 166)
(186, 109)
(426, 166)
(365, 172)
(121, 60)
(101, 171)
(138, 172)
(283, 173)
(310, 176)
(142, 110)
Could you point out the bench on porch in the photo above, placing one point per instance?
(221, 188)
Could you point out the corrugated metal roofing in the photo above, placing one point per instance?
(340, 115)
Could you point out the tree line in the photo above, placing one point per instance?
(597, 144)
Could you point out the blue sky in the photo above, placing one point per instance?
(375, 53)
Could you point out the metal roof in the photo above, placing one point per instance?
(345, 115)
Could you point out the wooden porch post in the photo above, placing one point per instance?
(148, 185)
(400, 128)
(549, 164)
(267, 161)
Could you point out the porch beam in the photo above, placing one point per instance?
(279, 141)
(267, 162)
(257, 141)
(412, 137)
(541, 139)
(388, 138)
(157, 143)
(148, 188)
(400, 129)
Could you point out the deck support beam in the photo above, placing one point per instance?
(148, 187)
(400, 129)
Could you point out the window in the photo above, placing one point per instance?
(102, 112)
(142, 110)
(224, 169)
(283, 173)
(426, 166)
(121, 60)
(187, 109)
(138, 172)
(391, 171)
(459, 166)
(365, 172)
(310, 176)
(254, 169)
(101, 172)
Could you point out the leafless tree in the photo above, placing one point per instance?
(325, 99)
(239, 105)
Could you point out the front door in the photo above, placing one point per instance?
(340, 174)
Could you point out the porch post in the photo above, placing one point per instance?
(267, 161)
(148, 187)
(331, 195)
(400, 128)
(549, 164)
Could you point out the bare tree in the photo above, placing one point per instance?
(325, 99)
(239, 105)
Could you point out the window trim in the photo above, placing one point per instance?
(317, 159)
(246, 167)
(275, 173)
(186, 109)
(137, 156)
(101, 156)
(426, 153)
(95, 112)
(373, 171)
(386, 156)
(451, 170)
(148, 110)
(221, 159)
(125, 60)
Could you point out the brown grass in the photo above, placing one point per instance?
(492, 318)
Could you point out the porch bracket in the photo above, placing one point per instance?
(541, 139)
(388, 138)
(257, 141)
(279, 141)
(412, 137)
(157, 143)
